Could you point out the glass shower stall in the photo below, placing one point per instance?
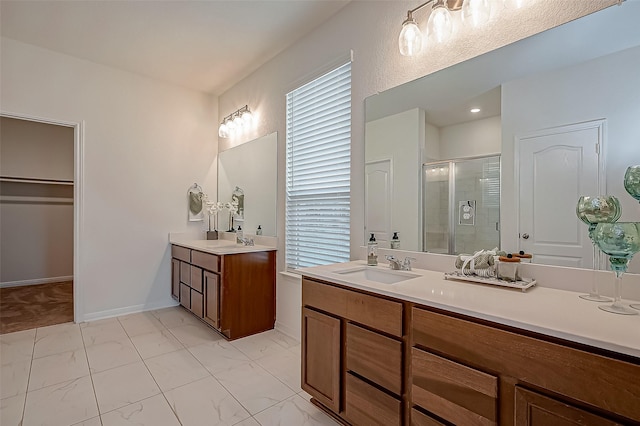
(461, 212)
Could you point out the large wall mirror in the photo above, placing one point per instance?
(496, 151)
(248, 173)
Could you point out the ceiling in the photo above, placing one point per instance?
(203, 45)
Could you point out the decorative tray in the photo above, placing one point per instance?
(523, 284)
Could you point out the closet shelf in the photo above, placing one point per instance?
(36, 180)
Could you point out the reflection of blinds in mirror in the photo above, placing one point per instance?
(491, 184)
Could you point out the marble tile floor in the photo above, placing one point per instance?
(153, 368)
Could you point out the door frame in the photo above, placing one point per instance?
(78, 199)
(599, 124)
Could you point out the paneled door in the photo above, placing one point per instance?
(556, 167)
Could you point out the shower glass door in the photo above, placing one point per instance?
(461, 205)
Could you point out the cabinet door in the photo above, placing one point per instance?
(196, 303)
(196, 278)
(185, 295)
(533, 409)
(321, 357)
(175, 279)
(212, 299)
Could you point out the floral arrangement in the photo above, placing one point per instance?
(212, 208)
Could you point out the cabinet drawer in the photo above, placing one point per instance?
(421, 419)
(534, 409)
(207, 261)
(181, 253)
(185, 273)
(452, 391)
(197, 303)
(196, 278)
(185, 295)
(366, 405)
(375, 312)
(375, 357)
(559, 369)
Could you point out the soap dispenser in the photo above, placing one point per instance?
(239, 235)
(372, 251)
(259, 230)
(395, 241)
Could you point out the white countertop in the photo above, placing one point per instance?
(557, 313)
(219, 247)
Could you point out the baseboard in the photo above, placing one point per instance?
(35, 281)
(288, 331)
(128, 310)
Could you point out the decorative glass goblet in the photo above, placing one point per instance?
(632, 181)
(593, 210)
(620, 240)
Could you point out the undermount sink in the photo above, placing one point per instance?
(378, 275)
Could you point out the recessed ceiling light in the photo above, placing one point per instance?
(475, 110)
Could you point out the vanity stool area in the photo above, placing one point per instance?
(370, 357)
(229, 287)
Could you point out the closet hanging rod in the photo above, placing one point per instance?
(35, 180)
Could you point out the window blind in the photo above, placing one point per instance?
(318, 170)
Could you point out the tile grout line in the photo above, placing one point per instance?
(26, 391)
(95, 396)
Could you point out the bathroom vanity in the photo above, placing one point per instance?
(228, 286)
(426, 351)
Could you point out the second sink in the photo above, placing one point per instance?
(378, 275)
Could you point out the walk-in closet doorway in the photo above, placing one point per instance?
(40, 196)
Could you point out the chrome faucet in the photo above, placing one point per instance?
(246, 241)
(406, 264)
(393, 263)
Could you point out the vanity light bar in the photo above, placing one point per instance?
(475, 13)
(235, 122)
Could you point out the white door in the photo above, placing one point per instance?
(377, 198)
(556, 167)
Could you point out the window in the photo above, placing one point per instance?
(318, 170)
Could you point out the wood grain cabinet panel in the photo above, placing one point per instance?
(207, 261)
(175, 279)
(197, 303)
(420, 419)
(212, 299)
(454, 392)
(321, 352)
(375, 357)
(368, 406)
(185, 273)
(181, 253)
(196, 278)
(185, 295)
(579, 375)
(534, 409)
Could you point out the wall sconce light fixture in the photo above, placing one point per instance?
(439, 26)
(235, 122)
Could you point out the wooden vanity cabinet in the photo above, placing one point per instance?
(352, 346)
(373, 360)
(233, 293)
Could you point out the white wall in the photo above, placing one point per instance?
(144, 144)
(371, 30)
(400, 138)
(605, 88)
(470, 139)
(36, 219)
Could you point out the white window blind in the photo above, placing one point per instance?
(318, 170)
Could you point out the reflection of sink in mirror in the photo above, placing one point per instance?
(377, 275)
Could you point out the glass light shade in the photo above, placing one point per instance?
(439, 25)
(223, 131)
(632, 181)
(514, 4)
(247, 118)
(476, 13)
(231, 127)
(238, 122)
(410, 39)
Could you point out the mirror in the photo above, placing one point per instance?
(561, 110)
(247, 173)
